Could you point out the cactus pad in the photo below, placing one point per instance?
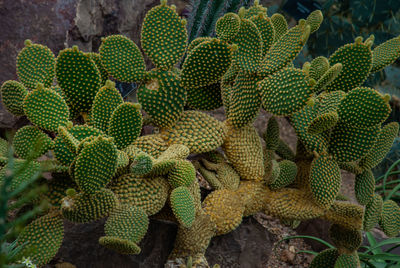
(31, 142)
(364, 187)
(183, 206)
(390, 218)
(183, 174)
(205, 98)
(227, 26)
(385, 54)
(372, 212)
(344, 238)
(13, 94)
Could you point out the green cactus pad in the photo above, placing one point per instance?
(314, 20)
(57, 188)
(13, 94)
(153, 144)
(122, 58)
(106, 101)
(255, 10)
(128, 223)
(142, 164)
(197, 42)
(385, 54)
(348, 143)
(390, 218)
(95, 165)
(27, 170)
(325, 259)
(319, 66)
(122, 162)
(61, 150)
(162, 97)
(215, 57)
(163, 36)
(287, 174)
(285, 92)
(78, 77)
(125, 124)
(344, 238)
(285, 49)
(46, 109)
(245, 100)
(301, 121)
(83, 207)
(150, 194)
(243, 149)
(227, 27)
(347, 261)
(103, 72)
(284, 151)
(271, 135)
(372, 213)
(363, 107)
(198, 131)
(205, 98)
(31, 142)
(35, 64)
(182, 205)
(356, 59)
(42, 238)
(183, 174)
(364, 187)
(69, 140)
(329, 76)
(266, 29)
(121, 246)
(280, 26)
(325, 181)
(381, 147)
(3, 147)
(249, 41)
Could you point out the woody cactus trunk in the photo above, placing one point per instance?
(104, 168)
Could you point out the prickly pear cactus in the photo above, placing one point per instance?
(103, 167)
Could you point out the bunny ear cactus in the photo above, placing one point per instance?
(13, 94)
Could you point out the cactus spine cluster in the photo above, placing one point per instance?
(105, 168)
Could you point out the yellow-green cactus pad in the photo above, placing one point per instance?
(364, 187)
(390, 218)
(285, 49)
(301, 121)
(319, 66)
(254, 10)
(31, 142)
(372, 213)
(196, 130)
(327, 78)
(325, 181)
(349, 143)
(125, 124)
(35, 64)
(381, 147)
(385, 54)
(128, 223)
(150, 194)
(243, 149)
(142, 164)
(122, 58)
(347, 261)
(244, 100)
(197, 41)
(83, 207)
(78, 77)
(95, 165)
(215, 57)
(285, 92)
(271, 135)
(325, 259)
(103, 72)
(264, 25)
(132, 151)
(363, 107)
(348, 215)
(183, 174)
(356, 59)
(120, 245)
(122, 162)
(106, 101)
(287, 174)
(26, 171)
(152, 144)
(61, 150)
(314, 20)
(163, 36)
(69, 140)
(249, 41)
(162, 97)
(182, 205)
(13, 94)
(227, 177)
(280, 26)
(227, 26)
(225, 210)
(344, 238)
(205, 98)
(46, 109)
(42, 238)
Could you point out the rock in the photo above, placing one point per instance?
(318, 228)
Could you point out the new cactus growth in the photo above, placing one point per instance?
(105, 168)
